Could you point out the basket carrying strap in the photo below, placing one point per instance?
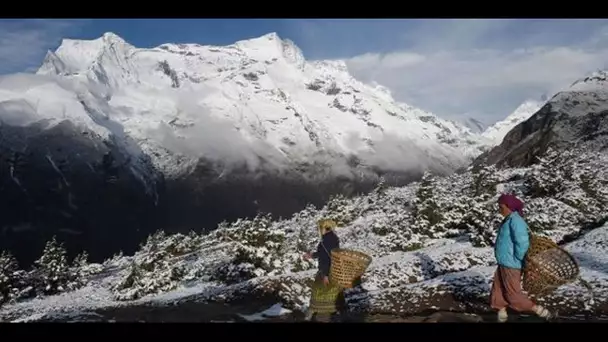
(326, 251)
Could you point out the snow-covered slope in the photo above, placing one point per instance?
(576, 115)
(257, 98)
(497, 131)
(595, 81)
(430, 242)
(474, 125)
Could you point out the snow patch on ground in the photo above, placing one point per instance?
(273, 311)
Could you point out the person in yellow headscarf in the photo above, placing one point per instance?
(329, 241)
(321, 286)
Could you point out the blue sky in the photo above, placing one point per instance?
(454, 68)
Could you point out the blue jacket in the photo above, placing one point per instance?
(512, 242)
(329, 241)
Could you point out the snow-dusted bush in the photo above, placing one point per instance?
(156, 267)
(50, 274)
(546, 214)
(576, 179)
(484, 180)
(83, 270)
(394, 229)
(154, 275)
(117, 260)
(546, 178)
(174, 245)
(405, 222)
(339, 210)
(479, 218)
(467, 202)
(259, 249)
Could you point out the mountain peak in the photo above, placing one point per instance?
(112, 37)
(523, 112)
(271, 36)
(106, 39)
(593, 81)
(476, 126)
(269, 39)
(104, 60)
(270, 46)
(265, 91)
(525, 108)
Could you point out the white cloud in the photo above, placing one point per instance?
(484, 68)
(389, 60)
(23, 43)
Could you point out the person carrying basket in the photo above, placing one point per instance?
(512, 243)
(329, 241)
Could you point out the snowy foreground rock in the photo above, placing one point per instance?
(431, 243)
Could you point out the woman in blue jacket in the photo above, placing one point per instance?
(512, 242)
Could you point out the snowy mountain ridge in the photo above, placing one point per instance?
(597, 80)
(499, 130)
(574, 115)
(475, 125)
(255, 101)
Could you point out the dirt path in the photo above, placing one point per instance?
(215, 312)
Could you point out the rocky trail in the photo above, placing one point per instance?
(221, 313)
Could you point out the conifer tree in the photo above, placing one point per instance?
(52, 269)
(8, 275)
(426, 208)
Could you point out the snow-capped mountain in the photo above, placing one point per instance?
(474, 125)
(574, 116)
(497, 131)
(191, 135)
(257, 98)
(594, 82)
(82, 143)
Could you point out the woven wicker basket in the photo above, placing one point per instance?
(547, 266)
(347, 267)
(325, 299)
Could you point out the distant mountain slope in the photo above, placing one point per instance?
(497, 131)
(575, 116)
(474, 125)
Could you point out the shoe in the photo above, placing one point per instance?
(502, 315)
(542, 312)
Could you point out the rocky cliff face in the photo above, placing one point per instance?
(68, 182)
(576, 116)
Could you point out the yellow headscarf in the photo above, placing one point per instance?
(326, 225)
